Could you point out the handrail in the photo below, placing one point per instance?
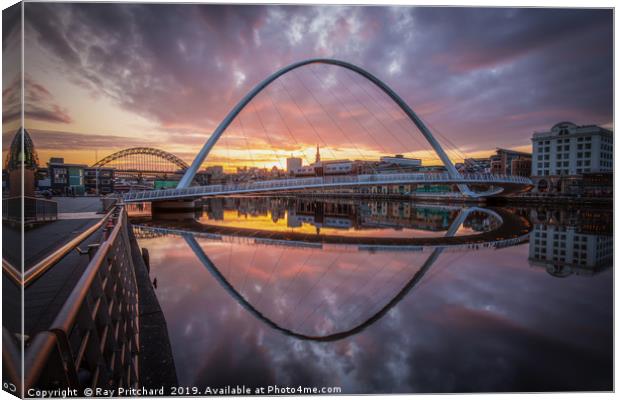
(12, 272)
(42, 266)
(72, 313)
(67, 315)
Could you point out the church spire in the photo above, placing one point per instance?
(317, 158)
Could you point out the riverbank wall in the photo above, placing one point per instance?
(156, 363)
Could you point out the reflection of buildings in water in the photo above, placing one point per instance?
(596, 221)
(401, 215)
(563, 250)
(347, 214)
(260, 206)
(338, 215)
(371, 214)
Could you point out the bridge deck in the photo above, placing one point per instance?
(278, 185)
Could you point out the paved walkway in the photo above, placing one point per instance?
(44, 297)
(80, 215)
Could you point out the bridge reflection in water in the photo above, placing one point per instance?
(357, 315)
(343, 288)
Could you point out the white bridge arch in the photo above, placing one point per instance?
(204, 151)
(497, 184)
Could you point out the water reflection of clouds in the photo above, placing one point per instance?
(479, 321)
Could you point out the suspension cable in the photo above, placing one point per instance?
(354, 117)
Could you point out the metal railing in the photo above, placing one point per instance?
(35, 210)
(34, 272)
(94, 340)
(324, 181)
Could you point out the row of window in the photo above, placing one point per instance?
(562, 171)
(565, 141)
(561, 248)
(557, 258)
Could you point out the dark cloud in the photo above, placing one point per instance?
(491, 75)
(11, 24)
(39, 103)
(53, 140)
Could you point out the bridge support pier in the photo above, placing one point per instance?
(173, 206)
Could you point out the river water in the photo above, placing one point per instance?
(384, 296)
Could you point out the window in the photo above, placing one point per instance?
(587, 154)
(580, 146)
(579, 155)
(567, 147)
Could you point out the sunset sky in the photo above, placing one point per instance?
(103, 77)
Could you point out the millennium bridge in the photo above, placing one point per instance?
(497, 184)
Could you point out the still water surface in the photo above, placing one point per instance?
(372, 297)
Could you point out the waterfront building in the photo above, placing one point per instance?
(337, 167)
(66, 179)
(42, 179)
(563, 155)
(511, 162)
(214, 175)
(401, 160)
(99, 180)
(293, 164)
(481, 165)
